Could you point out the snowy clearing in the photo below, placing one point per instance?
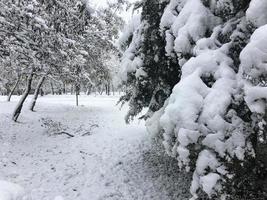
(105, 160)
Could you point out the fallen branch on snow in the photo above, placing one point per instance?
(63, 132)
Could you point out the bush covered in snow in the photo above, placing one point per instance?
(214, 119)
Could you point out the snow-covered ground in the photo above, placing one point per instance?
(105, 160)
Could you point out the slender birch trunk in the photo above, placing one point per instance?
(64, 88)
(13, 89)
(36, 92)
(113, 89)
(77, 98)
(77, 93)
(52, 88)
(19, 106)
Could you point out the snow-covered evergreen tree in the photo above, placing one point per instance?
(148, 73)
(213, 122)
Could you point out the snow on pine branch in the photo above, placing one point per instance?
(218, 105)
(254, 65)
(131, 40)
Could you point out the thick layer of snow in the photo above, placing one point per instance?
(198, 113)
(105, 160)
(185, 23)
(256, 12)
(254, 65)
(11, 191)
(131, 62)
(204, 123)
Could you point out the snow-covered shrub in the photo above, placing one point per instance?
(214, 121)
(51, 125)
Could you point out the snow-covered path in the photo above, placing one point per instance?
(105, 160)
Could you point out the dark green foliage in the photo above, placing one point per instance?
(161, 72)
(230, 34)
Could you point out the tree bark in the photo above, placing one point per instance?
(7, 89)
(108, 88)
(52, 88)
(72, 90)
(89, 90)
(113, 89)
(77, 98)
(13, 89)
(36, 92)
(64, 87)
(19, 106)
(77, 93)
(41, 92)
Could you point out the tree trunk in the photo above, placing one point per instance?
(13, 89)
(36, 92)
(7, 90)
(77, 98)
(77, 92)
(101, 89)
(19, 90)
(64, 88)
(113, 89)
(89, 90)
(19, 106)
(41, 92)
(52, 88)
(108, 88)
(72, 90)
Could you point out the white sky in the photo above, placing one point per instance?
(98, 3)
(103, 3)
